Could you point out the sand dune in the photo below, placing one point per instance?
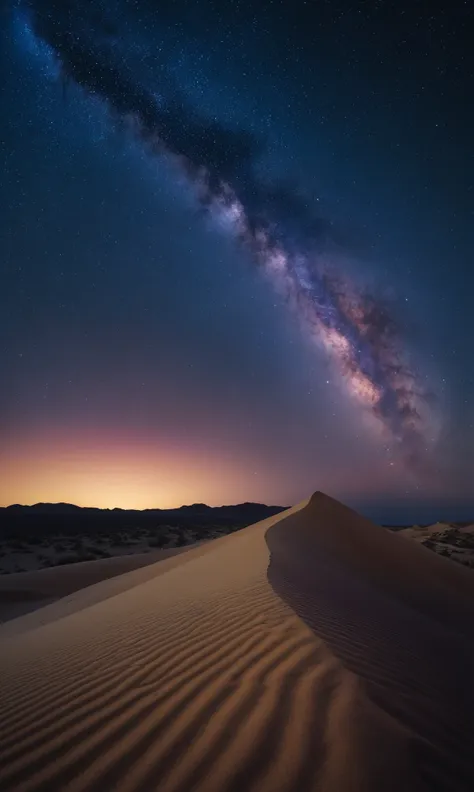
(424, 531)
(311, 651)
(453, 540)
(23, 592)
(466, 528)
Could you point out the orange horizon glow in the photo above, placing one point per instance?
(128, 478)
(111, 470)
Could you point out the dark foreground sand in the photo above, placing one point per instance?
(311, 651)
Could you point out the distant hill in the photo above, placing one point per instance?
(67, 518)
(194, 508)
(46, 508)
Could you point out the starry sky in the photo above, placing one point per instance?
(237, 254)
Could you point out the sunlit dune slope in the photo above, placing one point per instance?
(22, 592)
(311, 651)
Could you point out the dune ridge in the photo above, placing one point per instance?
(297, 654)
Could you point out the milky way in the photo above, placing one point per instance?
(292, 245)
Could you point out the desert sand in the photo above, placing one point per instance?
(22, 592)
(311, 651)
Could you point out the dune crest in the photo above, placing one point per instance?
(297, 654)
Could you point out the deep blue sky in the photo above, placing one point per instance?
(146, 359)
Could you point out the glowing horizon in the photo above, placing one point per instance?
(136, 472)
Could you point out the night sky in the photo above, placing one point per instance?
(237, 254)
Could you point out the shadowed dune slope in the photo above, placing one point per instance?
(396, 616)
(298, 654)
(425, 581)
